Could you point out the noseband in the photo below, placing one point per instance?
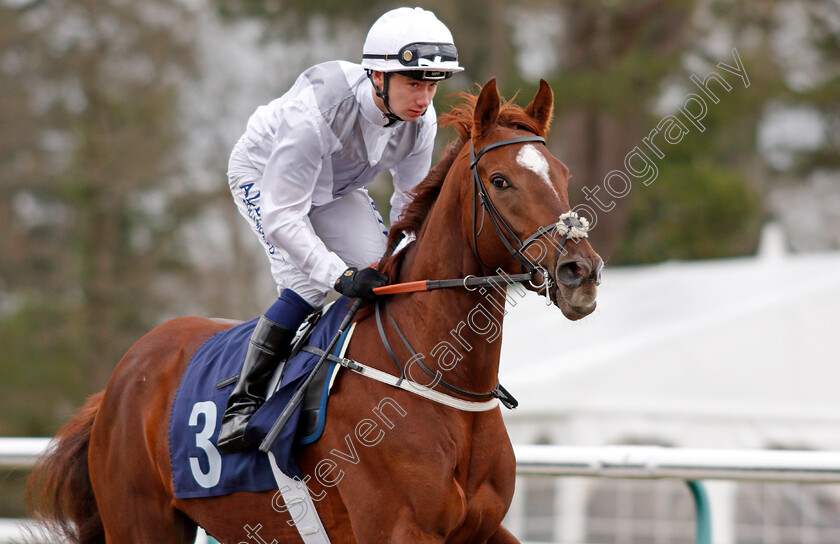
(569, 223)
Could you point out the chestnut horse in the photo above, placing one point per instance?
(437, 474)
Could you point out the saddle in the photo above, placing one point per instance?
(313, 414)
(199, 470)
(312, 418)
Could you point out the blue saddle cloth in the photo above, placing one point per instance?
(198, 468)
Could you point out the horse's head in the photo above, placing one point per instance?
(518, 213)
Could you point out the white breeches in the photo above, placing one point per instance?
(349, 226)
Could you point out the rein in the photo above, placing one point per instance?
(498, 391)
(566, 225)
(466, 283)
(402, 383)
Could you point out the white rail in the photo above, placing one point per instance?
(680, 463)
(21, 452)
(644, 462)
(606, 462)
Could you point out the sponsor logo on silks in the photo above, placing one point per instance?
(348, 273)
(255, 214)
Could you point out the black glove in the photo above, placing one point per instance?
(357, 283)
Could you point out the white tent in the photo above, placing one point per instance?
(736, 353)
(750, 340)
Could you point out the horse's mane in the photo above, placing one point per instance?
(426, 193)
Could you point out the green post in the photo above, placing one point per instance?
(703, 514)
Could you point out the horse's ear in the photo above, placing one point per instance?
(542, 107)
(486, 108)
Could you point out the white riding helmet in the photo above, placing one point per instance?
(412, 41)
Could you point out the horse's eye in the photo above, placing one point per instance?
(499, 182)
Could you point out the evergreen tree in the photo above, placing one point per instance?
(88, 140)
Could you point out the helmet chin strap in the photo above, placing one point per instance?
(383, 94)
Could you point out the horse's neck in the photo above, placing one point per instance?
(453, 324)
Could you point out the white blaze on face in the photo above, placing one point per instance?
(533, 160)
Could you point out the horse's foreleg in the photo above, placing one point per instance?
(502, 536)
(410, 534)
(403, 527)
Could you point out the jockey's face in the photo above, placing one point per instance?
(407, 97)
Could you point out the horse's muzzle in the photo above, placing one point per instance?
(575, 272)
(577, 278)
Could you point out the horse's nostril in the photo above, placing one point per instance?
(570, 274)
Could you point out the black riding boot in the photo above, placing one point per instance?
(269, 344)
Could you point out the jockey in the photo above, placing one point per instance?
(298, 176)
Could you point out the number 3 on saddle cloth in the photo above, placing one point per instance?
(198, 468)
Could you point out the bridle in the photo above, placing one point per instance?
(568, 224)
(503, 229)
